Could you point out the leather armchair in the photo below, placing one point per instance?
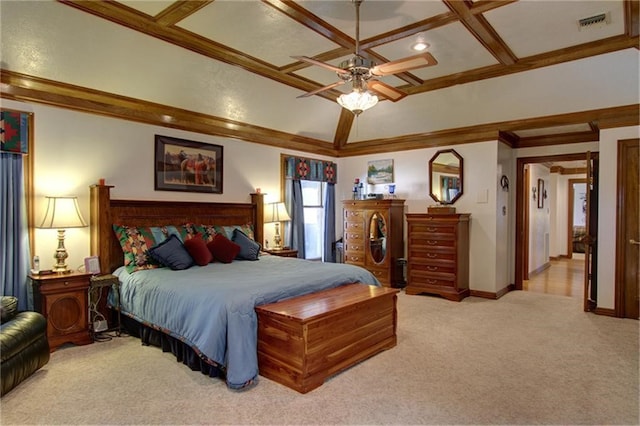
(23, 343)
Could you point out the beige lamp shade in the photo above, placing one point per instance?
(276, 212)
(62, 213)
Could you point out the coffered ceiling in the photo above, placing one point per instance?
(526, 71)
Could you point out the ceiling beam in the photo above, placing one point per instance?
(132, 19)
(542, 60)
(469, 13)
(22, 87)
(26, 88)
(483, 32)
(311, 21)
(559, 139)
(482, 6)
(179, 10)
(632, 17)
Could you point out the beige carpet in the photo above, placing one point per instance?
(524, 359)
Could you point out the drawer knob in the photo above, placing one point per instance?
(432, 255)
(430, 281)
(432, 243)
(431, 229)
(432, 268)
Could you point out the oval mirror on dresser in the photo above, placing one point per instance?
(446, 176)
(377, 237)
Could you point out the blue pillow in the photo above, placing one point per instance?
(171, 253)
(249, 249)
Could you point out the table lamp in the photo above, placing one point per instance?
(62, 213)
(276, 213)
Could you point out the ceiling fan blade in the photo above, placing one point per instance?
(322, 89)
(320, 64)
(385, 90)
(405, 64)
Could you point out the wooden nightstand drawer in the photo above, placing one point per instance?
(63, 300)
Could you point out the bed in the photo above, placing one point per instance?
(205, 315)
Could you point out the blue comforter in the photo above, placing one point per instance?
(211, 308)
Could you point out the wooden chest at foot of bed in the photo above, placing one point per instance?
(304, 340)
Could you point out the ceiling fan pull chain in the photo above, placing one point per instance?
(357, 4)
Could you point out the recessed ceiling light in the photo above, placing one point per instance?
(420, 46)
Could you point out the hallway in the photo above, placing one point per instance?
(565, 277)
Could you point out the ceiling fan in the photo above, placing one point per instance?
(363, 73)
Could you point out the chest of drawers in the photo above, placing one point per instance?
(438, 255)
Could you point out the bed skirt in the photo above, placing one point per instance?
(183, 352)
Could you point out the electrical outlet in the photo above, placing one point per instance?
(99, 326)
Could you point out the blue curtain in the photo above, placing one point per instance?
(329, 222)
(14, 235)
(296, 209)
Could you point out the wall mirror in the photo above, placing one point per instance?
(445, 172)
(377, 237)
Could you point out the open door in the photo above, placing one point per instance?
(590, 297)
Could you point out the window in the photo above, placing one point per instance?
(313, 199)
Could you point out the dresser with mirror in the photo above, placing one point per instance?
(438, 240)
(373, 237)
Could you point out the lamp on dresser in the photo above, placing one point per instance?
(62, 213)
(276, 213)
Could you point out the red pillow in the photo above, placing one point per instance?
(223, 249)
(198, 250)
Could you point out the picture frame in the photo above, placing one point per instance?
(541, 193)
(188, 166)
(380, 171)
(92, 265)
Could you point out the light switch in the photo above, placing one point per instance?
(483, 196)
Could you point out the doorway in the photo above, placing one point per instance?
(527, 201)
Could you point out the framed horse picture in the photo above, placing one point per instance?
(183, 165)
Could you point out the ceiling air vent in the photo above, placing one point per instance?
(595, 21)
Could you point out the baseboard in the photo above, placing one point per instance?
(492, 295)
(541, 269)
(605, 311)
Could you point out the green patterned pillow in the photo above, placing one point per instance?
(246, 229)
(208, 232)
(137, 240)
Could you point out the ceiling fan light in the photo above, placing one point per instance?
(419, 46)
(357, 101)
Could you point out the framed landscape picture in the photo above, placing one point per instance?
(380, 171)
(184, 165)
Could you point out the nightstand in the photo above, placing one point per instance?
(63, 300)
(283, 252)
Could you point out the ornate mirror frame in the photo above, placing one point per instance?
(445, 173)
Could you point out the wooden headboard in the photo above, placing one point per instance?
(105, 212)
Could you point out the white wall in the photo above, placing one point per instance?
(411, 174)
(539, 237)
(74, 150)
(505, 218)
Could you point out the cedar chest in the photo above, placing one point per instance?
(304, 340)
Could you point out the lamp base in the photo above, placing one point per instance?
(61, 255)
(277, 241)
